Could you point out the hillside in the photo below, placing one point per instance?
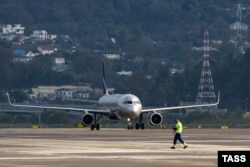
(142, 28)
(149, 30)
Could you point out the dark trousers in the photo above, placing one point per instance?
(178, 137)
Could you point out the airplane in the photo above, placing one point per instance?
(117, 107)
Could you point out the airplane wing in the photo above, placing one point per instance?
(59, 108)
(182, 107)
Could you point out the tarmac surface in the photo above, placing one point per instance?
(116, 147)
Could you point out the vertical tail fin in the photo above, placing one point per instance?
(105, 87)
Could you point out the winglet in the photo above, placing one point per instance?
(105, 87)
(8, 96)
(218, 100)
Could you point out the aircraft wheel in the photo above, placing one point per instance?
(137, 126)
(130, 127)
(97, 126)
(142, 126)
(92, 127)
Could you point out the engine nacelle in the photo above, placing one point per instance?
(155, 119)
(87, 119)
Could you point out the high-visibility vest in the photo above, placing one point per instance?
(178, 127)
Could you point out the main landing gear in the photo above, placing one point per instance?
(138, 126)
(96, 125)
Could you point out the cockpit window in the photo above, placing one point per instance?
(136, 102)
(132, 102)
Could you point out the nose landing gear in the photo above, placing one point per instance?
(130, 126)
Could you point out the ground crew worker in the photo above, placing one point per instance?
(178, 130)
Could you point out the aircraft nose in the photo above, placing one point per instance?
(136, 109)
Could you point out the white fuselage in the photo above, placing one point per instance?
(121, 106)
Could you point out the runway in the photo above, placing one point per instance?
(116, 147)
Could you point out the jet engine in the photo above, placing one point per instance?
(155, 118)
(87, 119)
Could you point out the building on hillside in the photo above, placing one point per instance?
(62, 92)
(46, 49)
(81, 94)
(175, 70)
(126, 73)
(30, 54)
(9, 29)
(59, 64)
(20, 56)
(112, 56)
(52, 36)
(66, 94)
(59, 61)
(19, 52)
(42, 35)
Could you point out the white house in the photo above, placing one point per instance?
(16, 29)
(127, 73)
(30, 54)
(112, 56)
(40, 34)
(59, 60)
(59, 64)
(52, 36)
